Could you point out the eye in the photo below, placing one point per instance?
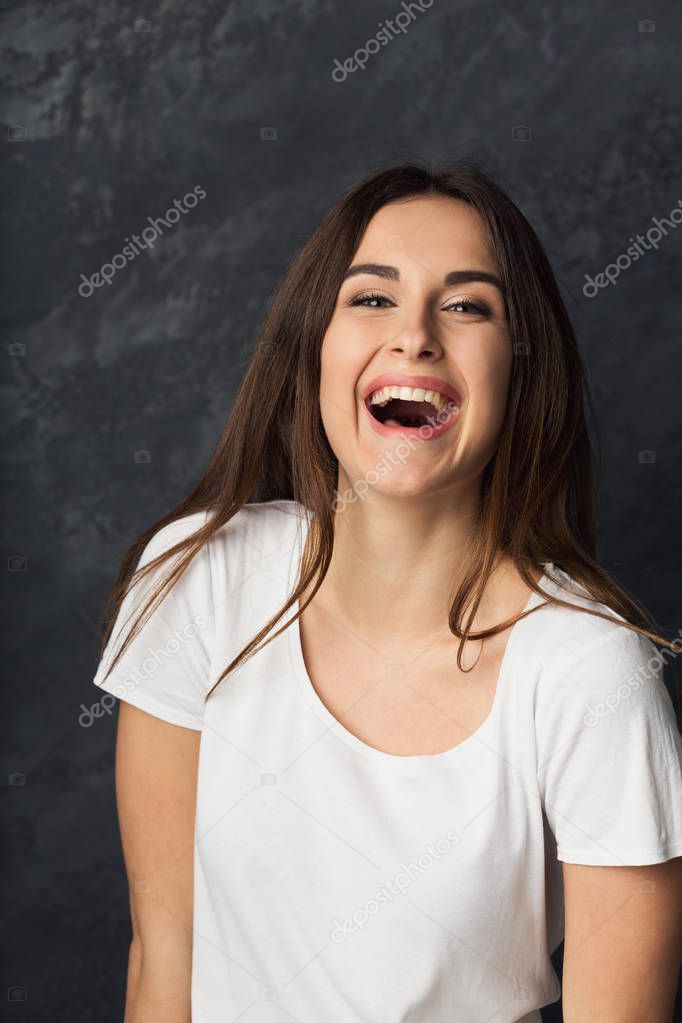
(370, 297)
(471, 306)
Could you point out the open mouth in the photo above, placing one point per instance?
(410, 408)
(397, 412)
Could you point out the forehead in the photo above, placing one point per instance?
(432, 231)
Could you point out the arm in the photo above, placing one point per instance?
(623, 935)
(156, 775)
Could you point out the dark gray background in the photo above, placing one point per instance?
(114, 124)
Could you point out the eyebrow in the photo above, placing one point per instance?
(391, 273)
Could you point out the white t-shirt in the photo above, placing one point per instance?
(337, 882)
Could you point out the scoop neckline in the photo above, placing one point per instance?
(404, 760)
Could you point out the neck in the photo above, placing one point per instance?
(396, 565)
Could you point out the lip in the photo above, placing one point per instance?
(411, 380)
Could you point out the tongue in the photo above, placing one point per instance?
(403, 426)
(413, 412)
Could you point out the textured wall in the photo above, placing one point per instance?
(112, 112)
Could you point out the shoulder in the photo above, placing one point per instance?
(244, 559)
(253, 531)
(607, 747)
(566, 639)
(258, 546)
(265, 519)
(260, 535)
(577, 668)
(589, 670)
(172, 533)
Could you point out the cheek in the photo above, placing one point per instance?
(342, 359)
(488, 383)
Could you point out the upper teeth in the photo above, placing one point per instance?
(385, 394)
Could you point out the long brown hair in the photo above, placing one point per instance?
(538, 490)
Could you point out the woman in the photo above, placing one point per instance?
(387, 725)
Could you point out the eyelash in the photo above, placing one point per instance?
(477, 307)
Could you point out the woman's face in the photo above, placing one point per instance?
(406, 321)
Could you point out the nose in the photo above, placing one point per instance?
(415, 339)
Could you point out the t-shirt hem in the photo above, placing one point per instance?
(629, 858)
(143, 702)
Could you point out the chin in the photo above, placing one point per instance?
(387, 481)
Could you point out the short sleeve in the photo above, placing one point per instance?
(166, 668)
(609, 752)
